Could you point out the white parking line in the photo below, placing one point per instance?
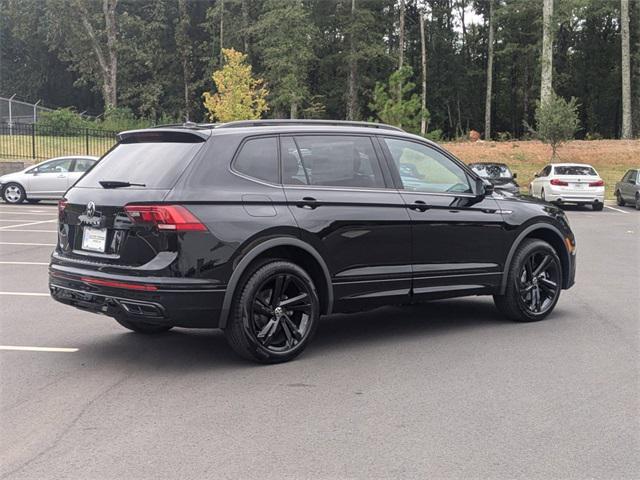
(27, 224)
(616, 209)
(38, 349)
(25, 294)
(24, 263)
(27, 230)
(29, 244)
(7, 212)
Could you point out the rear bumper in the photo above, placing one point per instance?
(177, 303)
(574, 196)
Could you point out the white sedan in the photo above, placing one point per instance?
(46, 180)
(575, 183)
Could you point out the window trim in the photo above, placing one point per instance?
(395, 173)
(249, 177)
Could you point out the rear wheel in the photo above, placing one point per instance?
(140, 326)
(13, 193)
(533, 283)
(275, 313)
(597, 206)
(637, 201)
(619, 199)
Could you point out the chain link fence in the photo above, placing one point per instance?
(30, 140)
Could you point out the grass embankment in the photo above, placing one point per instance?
(21, 146)
(611, 158)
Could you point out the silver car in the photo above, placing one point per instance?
(46, 180)
(628, 189)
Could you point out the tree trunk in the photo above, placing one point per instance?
(546, 84)
(487, 102)
(245, 25)
(401, 35)
(108, 62)
(423, 49)
(182, 39)
(352, 94)
(626, 70)
(221, 31)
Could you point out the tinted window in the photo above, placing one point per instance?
(83, 164)
(157, 164)
(333, 161)
(574, 170)
(258, 158)
(545, 171)
(57, 166)
(424, 169)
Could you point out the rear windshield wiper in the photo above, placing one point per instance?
(119, 184)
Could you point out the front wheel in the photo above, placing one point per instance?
(637, 201)
(619, 199)
(13, 193)
(275, 313)
(534, 281)
(139, 326)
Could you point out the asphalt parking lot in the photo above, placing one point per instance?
(445, 390)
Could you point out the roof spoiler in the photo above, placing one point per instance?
(175, 135)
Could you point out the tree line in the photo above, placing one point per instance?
(461, 64)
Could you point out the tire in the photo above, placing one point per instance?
(261, 326)
(140, 326)
(543, 196)
(13, 193)
(33, 200)
(619, 200)
(526, 300)
(637, 201)
(597, 206)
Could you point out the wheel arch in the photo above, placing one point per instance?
(289, 248)
(549, 234)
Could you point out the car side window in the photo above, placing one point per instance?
(424, 169)
(58, 166)
(545, 171)
(83, 164)
(631, 176)
(258, 158)
(331, 161)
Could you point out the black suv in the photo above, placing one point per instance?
(261, 227)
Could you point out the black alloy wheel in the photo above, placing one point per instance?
(539, 282)
(276, 314)
(534, 281)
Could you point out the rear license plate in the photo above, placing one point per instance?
(578, 185)
(94, 239)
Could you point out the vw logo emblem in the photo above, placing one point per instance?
(91, 209)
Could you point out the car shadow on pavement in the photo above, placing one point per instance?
(187, 350)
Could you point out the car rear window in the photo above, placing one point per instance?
(574, 170)
(154, 164)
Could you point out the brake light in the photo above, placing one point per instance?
(165, 217)
(62, 204)
(115, 284)
(597, 183)
(558, 183)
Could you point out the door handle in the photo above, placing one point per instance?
(419, 205)
(62, 176)
(309, 203)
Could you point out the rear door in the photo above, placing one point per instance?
(458, 238)
(347, 209)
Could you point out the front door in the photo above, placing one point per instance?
(337, 191)
(50, 180)
(458, 239)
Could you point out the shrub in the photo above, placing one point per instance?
(556, 121)
(62, 119)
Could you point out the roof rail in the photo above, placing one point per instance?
(195, 126)
(294, 122)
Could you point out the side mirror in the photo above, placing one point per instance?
(483, 187)
(515, 175)
(536, 175)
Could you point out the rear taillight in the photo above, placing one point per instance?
(62, 204)
(165, 217)
(597, 183)
(558, 183)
